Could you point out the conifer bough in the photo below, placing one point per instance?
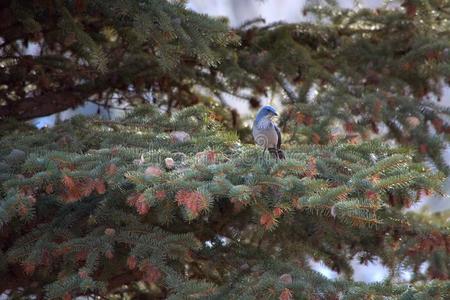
(376, 71)
(122, 208)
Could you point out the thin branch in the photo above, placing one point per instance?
(108, 106)
(284, 85)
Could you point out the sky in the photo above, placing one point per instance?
(238, 11)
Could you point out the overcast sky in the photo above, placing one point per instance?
(239, 11)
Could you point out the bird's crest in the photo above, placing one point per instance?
(264, 111)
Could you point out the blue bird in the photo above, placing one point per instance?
(265, 133)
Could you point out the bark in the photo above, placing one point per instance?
(42, 105)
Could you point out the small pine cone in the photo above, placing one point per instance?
(160, 195)
(110, 231)
(67, 296)
(132, 262)
(139, 202)
(68, 182)
(81, 256)
(49, 188)
(299, 118)
(206, 156)
(99, 186)
(153, 171)
(142, 207)
(109, 254)
(286, 294)
(83, 274)
(152, 274)
(349, 127)
(170, 163)
(312, 167)
(412, 122)
(266, 220)
(29, 268)
(195, 202)
(23, 209)
(277, 211)
(308, 120)
(438, 124)
(111, 170)
(371, 195)
(295, 203)
(286, 279)
(315, 138)
(423, 148)
(179, 136)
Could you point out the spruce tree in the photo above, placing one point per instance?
(178, 206)
(371, 72)
(57, 54)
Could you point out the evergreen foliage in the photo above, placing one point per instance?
(104, 52)
(176, 207)
(373, 72)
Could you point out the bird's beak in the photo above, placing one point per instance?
(275, 114)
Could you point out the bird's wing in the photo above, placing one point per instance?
(279, 136)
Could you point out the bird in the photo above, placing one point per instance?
(266, 134)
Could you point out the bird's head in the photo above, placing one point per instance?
(266, 112)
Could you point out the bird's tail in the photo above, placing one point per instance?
(277, 153)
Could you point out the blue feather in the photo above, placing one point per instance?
(265, 111)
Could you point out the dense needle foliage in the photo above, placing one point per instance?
(93, 207)
(170, 202)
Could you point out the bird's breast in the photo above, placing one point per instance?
(265, 137)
